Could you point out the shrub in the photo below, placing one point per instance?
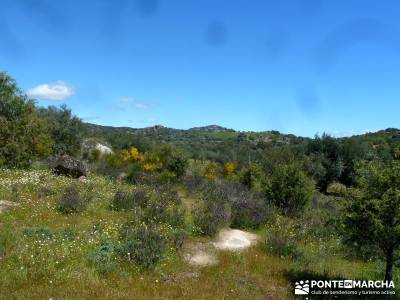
(142, 244)
(164, 207)
(178, 237)
(282, 239)
(289, 189)
(45, 233)
(24, 135)
(124, 200)
(71, 202)
(46, 191)
(65, 129)
(248, 211)
(194, 182)
(213, 213)
(67, 234)
(243, 208)
(39, 232)
(337, 189)
(102, 258)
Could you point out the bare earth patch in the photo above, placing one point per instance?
(234, 239)
(203, 253)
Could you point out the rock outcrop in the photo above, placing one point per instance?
(68, 166)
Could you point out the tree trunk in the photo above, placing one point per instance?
(389, 265)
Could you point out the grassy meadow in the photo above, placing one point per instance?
(46, 254)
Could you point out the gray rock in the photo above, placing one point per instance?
(122, 176)
(68, 166)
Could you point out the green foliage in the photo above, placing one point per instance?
(103, 257)
(337, 189)
(164, 207)
(371, 216)
(213, 212)
(39, 232)
(178, 236)
(253, 177)
(142, 244)
(325, 154)
(23, 134)
(172, 160)
(71, 201)
(289, 189)
(66, 130)
(45, 233)
(124, 200)
(200, 144)
(282, 238)
(249, 210)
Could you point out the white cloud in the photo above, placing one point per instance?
(57, 91)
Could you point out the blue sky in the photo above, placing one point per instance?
(297, 66)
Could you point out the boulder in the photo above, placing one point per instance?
(68, 166)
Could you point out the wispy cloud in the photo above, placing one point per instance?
(126, 100)
(145, 105)
(137, 104)
(56, 91)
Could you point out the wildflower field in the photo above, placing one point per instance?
(47, 254)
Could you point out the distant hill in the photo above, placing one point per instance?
(220, 143)
(211, 128)
(208, 142)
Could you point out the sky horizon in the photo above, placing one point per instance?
(296, 66)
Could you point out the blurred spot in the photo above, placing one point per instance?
(308, 101)
(352, 33)
(147, 7)
(45, 13)
(216, 34)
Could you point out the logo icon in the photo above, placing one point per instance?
(348, 284)
(302, 287)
